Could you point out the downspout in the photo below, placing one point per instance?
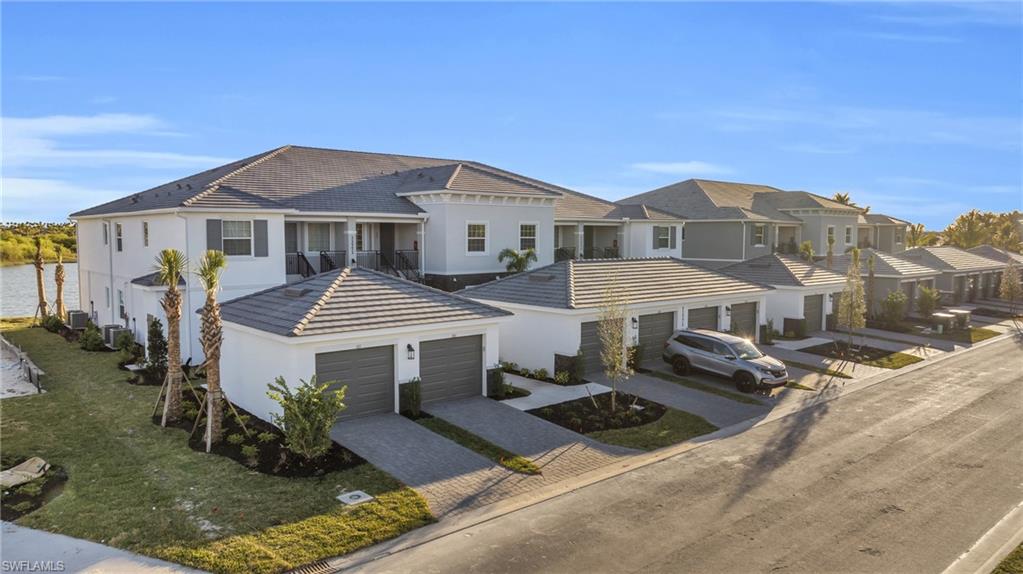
(743, 224)
(110, 265)
(188, 289)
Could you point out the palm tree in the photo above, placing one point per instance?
(806, 250)
(968, 230)
(37, 260)
(58, 278)
(210, 267)
(831, 252)
(170, 266)
(843, 198)
(917, 236)
(518, 261)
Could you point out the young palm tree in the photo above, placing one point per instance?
(917, 236)
(852, 309)
(42, 309)
(843, 198)
(806, 250)
(831, 252)
(210, 267)
(170, 266)
(518, 261)
(969, 230)
(58, 278)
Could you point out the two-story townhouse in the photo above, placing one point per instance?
(881, 232)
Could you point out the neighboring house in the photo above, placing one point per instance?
(729, 222)
(882, 232)
(997, 254)
(891, 273)
(964, 276)
(556, 308)
(803, 292)
(292, 212)
(365, 329)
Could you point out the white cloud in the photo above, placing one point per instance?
(34, 199)
(688, 168)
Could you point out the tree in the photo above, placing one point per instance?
(1010, 289)
(852, 308)
(870, 285)
(917, 236)
(170, 266)
(42, 309)
(831, 252)
(58, 278)
(611, 332)
(212, 330)
(518, 261)
(806, 250)
(968, 230)
(927, 301)
(843, 198)
(156, 352)
(893, 308)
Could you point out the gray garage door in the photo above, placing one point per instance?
(369, 374)
(590, 347)
(704, 318)
(451, 368)
(813, 312)
(909, 289)
(744, 319)
(654, 330)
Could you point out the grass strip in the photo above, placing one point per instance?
(1012, 564)
(672, 428)
(507, 459)
(672, 378)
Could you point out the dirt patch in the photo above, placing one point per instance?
(582, 416)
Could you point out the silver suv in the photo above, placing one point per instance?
(725, 355)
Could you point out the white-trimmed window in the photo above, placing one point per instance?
(898, 235)
(760, 234)
(121, 311)
(831, 233)
(662, 237)
(119, 236)
(476, 237)
(848, 235)
(106, 234)
(319, 237)
(527, 236)
(360, 237)
(237, 237)
(145, 234)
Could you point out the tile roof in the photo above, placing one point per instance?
(885, 265)
(580, 284)
(992, 252)
(882, 219)
(707, 199)
(575, 205)
(150, 280)
(783, 270)
(350, 300)
(316, 179)
(949, 258)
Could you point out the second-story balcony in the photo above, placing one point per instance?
(318, 246)
(563, 253)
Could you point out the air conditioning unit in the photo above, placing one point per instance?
(77, 319)
(115, 333)
(106, 333)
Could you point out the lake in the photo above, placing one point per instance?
(18, 289)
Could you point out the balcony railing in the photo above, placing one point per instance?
(330, 260)
(601, 253)
(564, 254)
(298, 264)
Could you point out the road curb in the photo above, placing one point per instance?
(473, 518)
(992, 547)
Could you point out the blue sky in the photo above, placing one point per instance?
(915, 109)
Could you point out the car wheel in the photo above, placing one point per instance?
(745, 382)
(680, 365)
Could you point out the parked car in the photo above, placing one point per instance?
(726, 355)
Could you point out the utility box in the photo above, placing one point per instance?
(115, 333)
(106, 333)
(77, 320)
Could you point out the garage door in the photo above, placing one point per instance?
(813, 312)
(909, 289)
(654, 330)
(590, 347)
(451, 368)
(744, 319)
(704, 318)
(369, 374)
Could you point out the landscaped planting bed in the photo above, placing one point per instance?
(20, 500)
(997, 313)
(968, 336)
(863, 354)
(650, 426)
(140, 487)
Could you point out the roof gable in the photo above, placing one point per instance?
(950, 258)
(992, 252)
(885, 265)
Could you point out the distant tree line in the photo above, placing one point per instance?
(17, 241)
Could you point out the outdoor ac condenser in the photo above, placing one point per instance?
(77, 319)
(107, 338)
(115, 333)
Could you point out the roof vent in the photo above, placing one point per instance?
(179, 186)
(295, 292)
(541, 277)
(419, 175)
(188, 185)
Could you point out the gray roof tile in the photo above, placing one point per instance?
(949, 258)
(992, 252)
(783, 270)
(885, 265)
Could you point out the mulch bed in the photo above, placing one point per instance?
(997, 313)
(20, 500)
(581, 416)
(271, 457)
(512, 393)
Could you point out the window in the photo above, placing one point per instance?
(237, 237)
(476, 238)
(662, 237)
(145, 234)
(106, 234)
(898, 236)
(848, 235)
(121, 312)
(360, 237)
(760, 234)
(831, 233)
(119, 236)
(527, 236)
(319, 237)
(722, 350)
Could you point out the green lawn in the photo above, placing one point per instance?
(816, 369)
(134, 485)
(685, 382)
(863, 354)
(672, 428)
(505, 458)
(1013, 563)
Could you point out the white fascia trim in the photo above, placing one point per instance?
(668, 304)
(755, 221)
(486, 193)
(372, 333)
(360, 217)
(804, 288)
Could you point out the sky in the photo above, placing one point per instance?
(914, 109)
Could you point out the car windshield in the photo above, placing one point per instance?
(747, 350)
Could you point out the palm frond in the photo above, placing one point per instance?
(171, 264)
(211, 265)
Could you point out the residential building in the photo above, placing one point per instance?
(964, 276)
(891, 273)
(881, 232)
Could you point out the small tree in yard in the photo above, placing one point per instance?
(893, 308)
(1010, 289)
(611, 332)
(170, 266)
(518, 261)
(927, 301)
(212, 330)
(806, 250)
(870, 286)
(852, 309)
(156, 352)
(307, 414)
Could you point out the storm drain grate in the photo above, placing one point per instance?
(321, 567)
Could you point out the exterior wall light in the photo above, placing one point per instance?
(635, 323)
(728, 310)
(411, 352)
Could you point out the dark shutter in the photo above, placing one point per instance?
(752, 234)
(260, 249)
(653, 241)
(674, 236)
(214, 235)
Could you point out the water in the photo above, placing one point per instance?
(18, 288)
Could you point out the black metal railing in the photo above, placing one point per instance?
(330, 260)
(564, 253)
(297, 264)
(406, 264)
(601, 253)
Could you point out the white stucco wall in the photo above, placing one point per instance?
(787, 303)
(641, 244)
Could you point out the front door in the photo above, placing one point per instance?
(387, 239)
(290, 237)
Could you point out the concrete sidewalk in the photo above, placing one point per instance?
(37, 549)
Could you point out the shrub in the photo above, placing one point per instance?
(509, 367)
(190, 411)
(156, 360)
(893, 308)
(251, 453)
(541, 374)
(308, 413)
(52, 323)
(499, 386)
(265, 437)
(125, 343)
(562, 378)
(633, 357)
(927, 301)
(767, 334)
(235, 438)
(410, 397)
(526, 373)
(92, 338)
